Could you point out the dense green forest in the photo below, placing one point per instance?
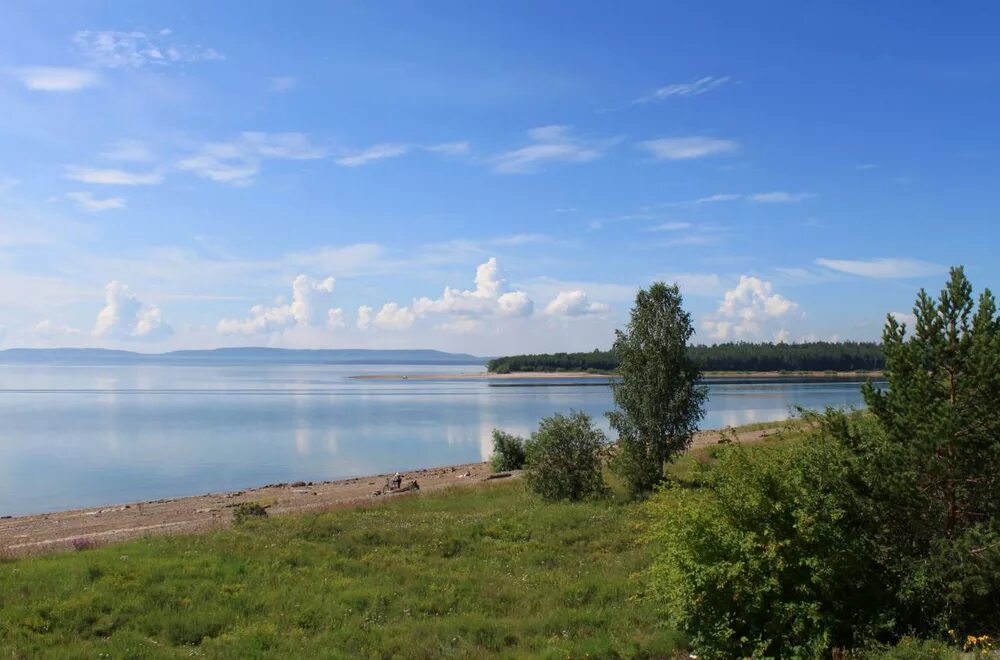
(735, 356)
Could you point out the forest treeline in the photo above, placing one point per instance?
(733, 356)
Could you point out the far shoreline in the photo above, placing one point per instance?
(577, 375)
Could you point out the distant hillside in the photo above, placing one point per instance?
(736, 356)
(249, 355)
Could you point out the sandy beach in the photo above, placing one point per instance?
(52, 532)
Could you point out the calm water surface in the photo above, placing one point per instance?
(75, 436)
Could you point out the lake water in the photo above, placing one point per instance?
(77, 436)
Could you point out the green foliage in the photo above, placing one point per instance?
(594, 361)
(878, 525)
(474, 572)
(245, 511)
(508, 452)
(659, 399)
(940, 491)
(732, 356)
(766, 561)
(564, 458)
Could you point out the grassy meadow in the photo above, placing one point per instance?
(491, 571)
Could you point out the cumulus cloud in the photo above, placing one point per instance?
(113, 177)
(238, 161)
(885, 268)
(489, 297)
(549, 144)
(56, 79)
(394, 317)
(574, 304)
(133, 49)
(696, 88)
(308, 298)
(909, 318)
(88, 202)
(335, 319)
(748, 311)
(47, 328)
(124, 316)
(364, 317)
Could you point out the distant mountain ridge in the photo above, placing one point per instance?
(239, 355)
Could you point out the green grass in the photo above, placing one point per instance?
(483, 572)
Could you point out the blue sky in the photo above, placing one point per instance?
(486, 177)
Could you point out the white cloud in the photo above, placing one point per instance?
(695, 88)
(866, 166)
(450, 148)
(281, 84)
(364, 317)
(489, 297)
(685, 148)
(88, 202)
(134, 49)
(909, 318)
(374, 153)
(132, 151)
(462, 326)
(237, 162)
(670, 226)
(394, 317)
(335, 319)
(779, 197)
(124, 316)
(308, 297)
(885, 268)
(575, 303)
(56, 79)
(49, 329)
(721, 197)
(550, 144)
(695, 284)
(747, 310)
(113, 177)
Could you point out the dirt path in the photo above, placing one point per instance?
(50, 532)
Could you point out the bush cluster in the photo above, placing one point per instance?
(880, 525)
(508, 452)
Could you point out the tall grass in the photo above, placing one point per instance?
(480, 572)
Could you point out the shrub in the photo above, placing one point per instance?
(772, 560)
(563, 458)
(878, 525)
(508, 452)
(82, 543)
(245, 511)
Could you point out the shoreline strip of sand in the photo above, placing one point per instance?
(52, 532)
